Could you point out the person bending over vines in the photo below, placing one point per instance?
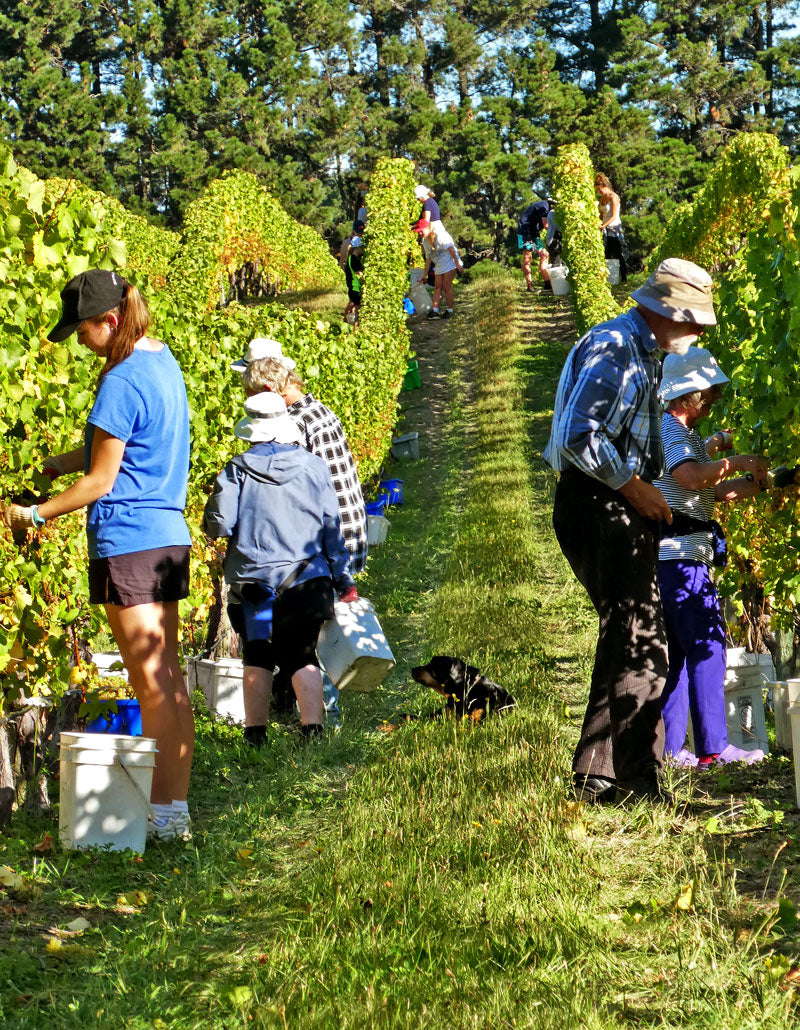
(440, 251)
(693, 483)
(614, 244)
(135, 464)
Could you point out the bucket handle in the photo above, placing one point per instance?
(136, 787)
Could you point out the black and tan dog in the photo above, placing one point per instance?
(468, 692)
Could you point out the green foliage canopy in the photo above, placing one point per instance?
(51, 231)
(573, 184)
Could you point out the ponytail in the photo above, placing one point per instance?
(134, 319)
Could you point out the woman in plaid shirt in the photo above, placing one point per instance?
(321, 433)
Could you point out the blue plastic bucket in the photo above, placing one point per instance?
(376, 507)
(127, 720)
(392, 490)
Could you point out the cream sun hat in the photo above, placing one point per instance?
(262, 347)
(679, 290)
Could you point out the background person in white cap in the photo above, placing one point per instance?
(429, 212)
(347, 243)
(277, 505)
(606, 443)
(692, 484)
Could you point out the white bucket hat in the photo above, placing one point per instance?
(685, 373)
(262, 347)
(267, 420)
(679, 290)
(421, 192)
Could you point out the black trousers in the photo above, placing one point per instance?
(613, 552)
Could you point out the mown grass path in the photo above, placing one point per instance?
(439, 875)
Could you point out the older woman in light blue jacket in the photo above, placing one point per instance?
(286, 554)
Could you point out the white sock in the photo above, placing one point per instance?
(436, 310)
(162, 812)
(180, 807)
(450, 311)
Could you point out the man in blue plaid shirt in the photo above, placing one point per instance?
(606, 444)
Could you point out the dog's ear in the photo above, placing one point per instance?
(440, 666)
(458, 671)
(466, 673)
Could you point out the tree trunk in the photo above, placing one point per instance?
(595, 34)
(7, 789)
(769, 65)
(221, 641)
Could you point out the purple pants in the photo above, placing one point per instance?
(696, 645)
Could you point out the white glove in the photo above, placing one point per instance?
(18, 517)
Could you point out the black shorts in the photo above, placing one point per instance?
(354, 296)
(297, 618)
(160, 574)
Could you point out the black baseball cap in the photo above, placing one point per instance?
(88, 295)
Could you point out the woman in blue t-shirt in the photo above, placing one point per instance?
(135, 464)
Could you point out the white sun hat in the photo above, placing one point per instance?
(262, 347)
(421, 192)
(267, 419)
(685, 373)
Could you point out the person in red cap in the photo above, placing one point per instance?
(134, 469)
(440, 252)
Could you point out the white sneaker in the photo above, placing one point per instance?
(177, 827)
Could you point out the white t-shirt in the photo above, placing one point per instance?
(443, 260)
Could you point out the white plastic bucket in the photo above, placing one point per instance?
(612, 264)
(744, 708)
(221, 681)
(794, 719)
(377, 528)
(738, 657)
(421, 299)
(105, 782)
(105, 660)
(785, 695)
(558, 279)
(353, 649)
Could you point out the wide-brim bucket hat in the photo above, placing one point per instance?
(679, 290)
(266, 419)
(697, 369)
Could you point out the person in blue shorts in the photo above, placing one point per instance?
(135, 468)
